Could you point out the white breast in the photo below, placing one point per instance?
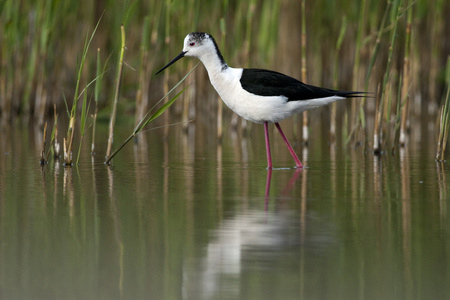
(249, 106)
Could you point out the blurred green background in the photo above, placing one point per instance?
(42, 41)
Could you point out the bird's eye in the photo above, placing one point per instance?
(191, 44)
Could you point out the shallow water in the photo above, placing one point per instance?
(181, 218)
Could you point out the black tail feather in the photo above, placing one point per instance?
(354, 94)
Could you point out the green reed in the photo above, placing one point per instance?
(444, 118)
(68, 141)
(148, 119)
(385, 100)
(98, 84)
(83, 119)
(117, 92)
(389, 43)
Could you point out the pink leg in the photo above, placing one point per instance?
(269, 156)
(288, 145)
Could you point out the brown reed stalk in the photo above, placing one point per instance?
(96, 99)
(335, 81)
(5, 103)
(142, 92)
(56, 144)
(43, 157)
(94, 126)
(377, 125)
(68, 143)
(397, 119)
(358, 47)
(223, 31)
(357, 120)
(31, 74)
(444, 119)
(186, 104)
(444, 116)
(305, 133)
(247, 48)
(166, 74)
(406, 81)
(41, 98)
(439, 151)
(345, 132)
(117, 93)
(395, 15)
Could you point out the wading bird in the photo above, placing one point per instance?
(257, 95)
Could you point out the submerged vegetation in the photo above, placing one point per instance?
(395, 49)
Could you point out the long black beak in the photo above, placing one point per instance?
(181, 55)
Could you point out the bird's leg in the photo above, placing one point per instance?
(288, 145)
(266, 134)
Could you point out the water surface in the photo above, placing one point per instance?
(181, 218)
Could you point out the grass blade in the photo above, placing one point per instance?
(117, 92)
(144, 122)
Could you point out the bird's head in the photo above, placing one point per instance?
(196, 44)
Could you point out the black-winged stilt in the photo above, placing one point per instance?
(257, 95)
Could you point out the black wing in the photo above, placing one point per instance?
(270, 83)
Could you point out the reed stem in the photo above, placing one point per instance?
(335, 81)
(220, 102)
(305, 132)
(43, 156)
(142, 92)
(57, 145)
(117, 93)
(395, 15)
(406, 81)
(167, 40)
(84, 114)
(98, 82)
(145, 121)
(444, 119)
(68, 141)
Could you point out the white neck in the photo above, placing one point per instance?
(212, 63)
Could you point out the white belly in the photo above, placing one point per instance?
(256, 108)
